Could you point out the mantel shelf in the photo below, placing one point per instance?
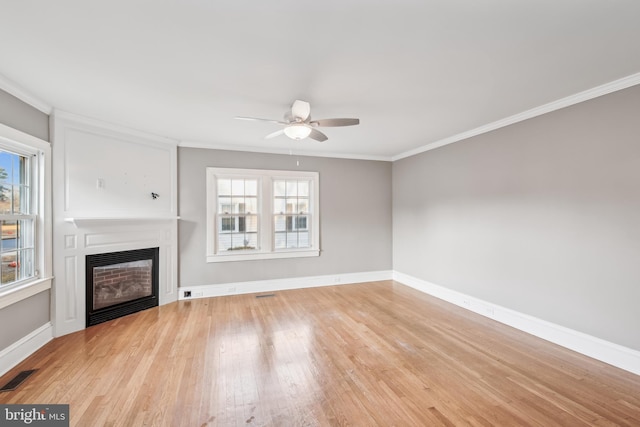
(86, 220)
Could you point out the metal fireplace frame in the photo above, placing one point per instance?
(94, 317)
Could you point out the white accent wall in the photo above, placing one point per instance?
(103, 178)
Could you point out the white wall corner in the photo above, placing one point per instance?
(25, 347)
(238, 288)
(596, 348)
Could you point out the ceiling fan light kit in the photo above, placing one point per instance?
(298, 124)
(297, 131)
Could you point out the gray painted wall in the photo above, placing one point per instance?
(29, 314)
(355, 217)
(24, 317)
(23, 117)
(542, 217)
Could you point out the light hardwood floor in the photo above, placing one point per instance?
(360, 355)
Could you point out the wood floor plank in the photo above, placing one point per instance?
(353, 355)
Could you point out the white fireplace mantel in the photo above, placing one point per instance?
(86, 221)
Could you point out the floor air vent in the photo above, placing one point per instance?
(17, 380)
(265, 295)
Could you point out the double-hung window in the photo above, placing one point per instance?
(237, 214)
(291, 213)
(25, 216)
(17, 221)
(261, 214)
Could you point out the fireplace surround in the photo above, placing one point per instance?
(120, 283)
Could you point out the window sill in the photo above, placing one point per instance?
(18, 293)
(264, 255)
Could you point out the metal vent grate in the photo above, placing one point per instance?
(265, 295)
(17, 380)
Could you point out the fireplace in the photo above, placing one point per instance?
(121, 283)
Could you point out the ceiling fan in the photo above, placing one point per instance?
(298, 124)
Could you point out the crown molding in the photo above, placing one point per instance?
(7, 132)
(103, 127)
(281, 151)
(14, 89)
(577, 98)
(22, 94)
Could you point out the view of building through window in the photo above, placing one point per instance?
(16, 220)
(291, 210)
(238, 214)
(262, 214)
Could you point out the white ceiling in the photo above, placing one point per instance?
(414, 72)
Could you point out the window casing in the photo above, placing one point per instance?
(19, 169)
(261, 214)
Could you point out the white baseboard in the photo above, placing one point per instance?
(25, 347)
(237, 288)
(596, 348)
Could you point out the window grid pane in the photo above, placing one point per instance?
(288, 199)
(239, 232)
(16, 250)
(291, 231)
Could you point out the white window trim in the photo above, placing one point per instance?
(22, 143)
(266, 248)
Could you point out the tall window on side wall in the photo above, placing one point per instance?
(17, 217)
(261, 214)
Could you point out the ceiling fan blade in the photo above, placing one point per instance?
(300, 110)
(317, 135)
(255, 119)
(274, 134)
(335, 122)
